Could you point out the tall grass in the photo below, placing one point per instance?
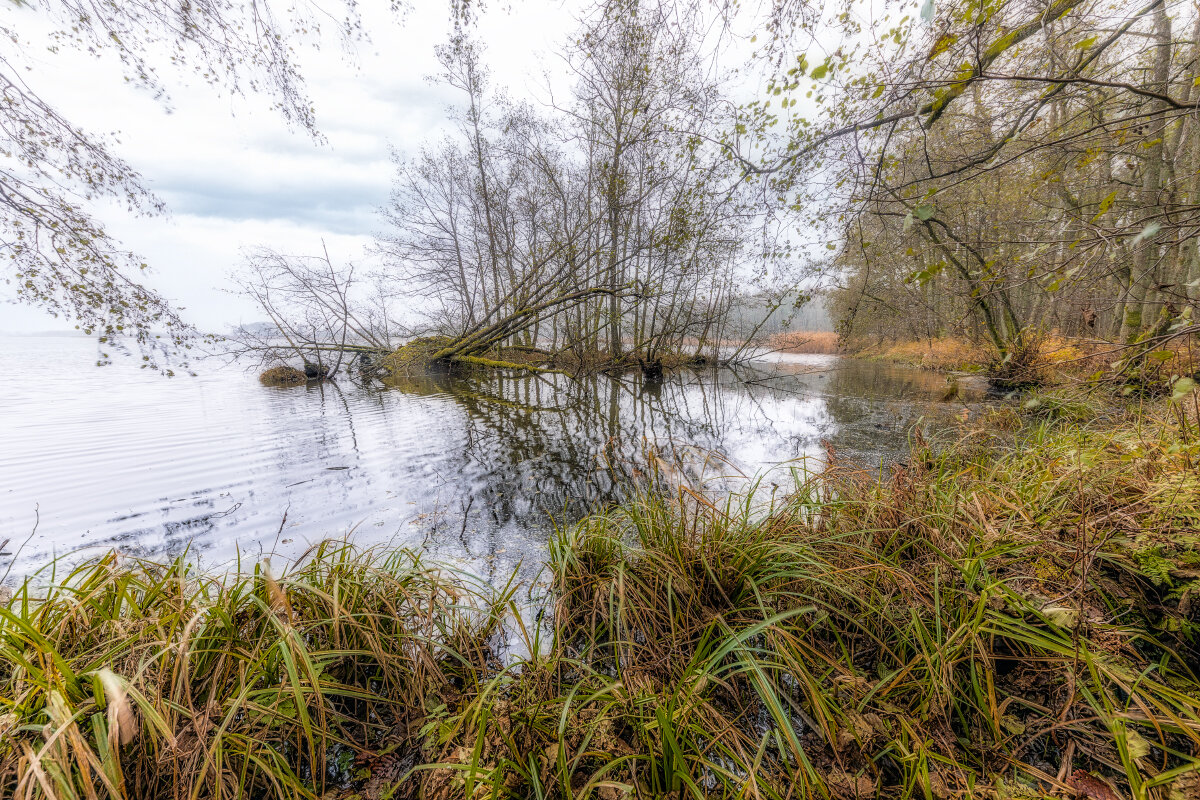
(986, 616)
(1008, 615)
(142, 680)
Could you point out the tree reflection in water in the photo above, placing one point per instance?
(468, 467)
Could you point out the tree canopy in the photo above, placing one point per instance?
(994, 167)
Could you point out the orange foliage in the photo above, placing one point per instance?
(810, 342)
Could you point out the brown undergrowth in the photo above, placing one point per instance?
(1010, 614)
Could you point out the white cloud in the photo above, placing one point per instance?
(235, 176)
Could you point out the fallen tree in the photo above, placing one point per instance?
(326, 317)
(318, 314)
(483, 344)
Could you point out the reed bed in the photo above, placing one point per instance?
(807, 342)
(1010, 614)
(131, 679)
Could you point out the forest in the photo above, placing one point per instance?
(1044, 179)
(637, 329)
(994, 172)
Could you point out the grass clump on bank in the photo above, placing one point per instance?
(282, 376)
(1012, 615)
(130, 679)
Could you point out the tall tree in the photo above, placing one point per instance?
(1020, 158)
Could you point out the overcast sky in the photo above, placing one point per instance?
(233, 174)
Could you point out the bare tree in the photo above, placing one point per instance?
(319, 313)
(60, 257)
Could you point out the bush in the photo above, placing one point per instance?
(1022, 367)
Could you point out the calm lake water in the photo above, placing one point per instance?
(472, 470)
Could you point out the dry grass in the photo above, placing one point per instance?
(807, 342)
(1010, 615)
(947, 354)
(282, 376)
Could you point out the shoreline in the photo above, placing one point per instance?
(983, 604)
(1057, 357)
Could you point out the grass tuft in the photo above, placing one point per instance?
(1007, 615)
(133, 679)
(282, 376)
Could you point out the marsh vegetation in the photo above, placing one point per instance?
(1003, 608)
(1009, 613)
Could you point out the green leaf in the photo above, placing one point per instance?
(928, 273)
(819, 72)
(1105, 204)
(942, 45)
(1182, 388)
(925, 211)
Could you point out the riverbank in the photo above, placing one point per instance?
(1059, 355)
(943, 355)
(1010, 613)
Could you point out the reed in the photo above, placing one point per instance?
(1005, 615)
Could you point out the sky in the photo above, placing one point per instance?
(234, 176)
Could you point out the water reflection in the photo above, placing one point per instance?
(469, 469)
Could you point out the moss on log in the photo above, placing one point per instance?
(420, 355)
(493, 363)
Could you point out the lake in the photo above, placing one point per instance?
(474, 470)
